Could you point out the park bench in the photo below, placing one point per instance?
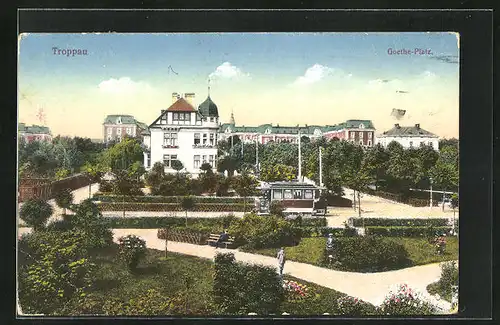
(214, 238)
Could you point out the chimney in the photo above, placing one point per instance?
(189, 97)
(417, 126)
(397, 126)
(175, 97)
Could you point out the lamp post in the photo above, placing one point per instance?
(430, 199)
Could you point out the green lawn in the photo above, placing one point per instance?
(419, 250)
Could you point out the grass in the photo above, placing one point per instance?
(420, 251)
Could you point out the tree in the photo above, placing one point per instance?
(223, 184)
(64, 199)
(94, 173)
(132, 250)
(359, 181)
(87, 218)
(454, 205)
(187, 204)
(208, 179)
(62, 173)
(122, 155)
(177, 165)
(278, 172)
(444, 175)
(376, 163)
(53, 269)
(245, 185)
(35, 213)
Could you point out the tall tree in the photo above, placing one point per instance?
(245, 185)
(35, 213)
(64, 199)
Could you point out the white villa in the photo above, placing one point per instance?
(409, 137)
(183, 133)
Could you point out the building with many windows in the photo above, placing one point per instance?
(358, 131)
(34, 133)
(115, 127)
(183, 133)
(409, 137)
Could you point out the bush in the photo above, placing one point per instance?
(448, 280)
(367, 254)
(255, 232)
(405, 301)
(35, 213)
(338, 201)
(324, 231)
(214, 224)
(351, 306)
(406, 231)
(88, 219)
(241, 288)
(388, 222)
(105, 187)
(276, 208)
(132, 250)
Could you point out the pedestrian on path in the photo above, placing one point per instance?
(281, 260)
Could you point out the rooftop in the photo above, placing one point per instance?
(33, 129)
(408, 131)
(181, 105)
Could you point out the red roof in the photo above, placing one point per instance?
(181, 105)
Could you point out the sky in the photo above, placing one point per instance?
(278, 78)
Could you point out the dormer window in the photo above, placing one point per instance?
(361, 126)
(268, 131)
(228, 130)
(317, 132)
(119, 120)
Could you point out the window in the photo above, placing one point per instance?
(430, 144)
(196, 161)
(118, 130)
(360, 142)
(411, 144)
(211, 139)
(204, 138)
(163, 119)
(167, 160)
(175, 116)
(110, 130)
(181, 116)
(369, 135)
(198, 118)
(287, 194)
(277, 194)
(297, 194)
(148, 161)
(129, 131)
(369, 142)
(211, 161)
(361, 126)
(169, 139)
(352, 134)
(203, 159)
(211, 119)
(197, 140)
(308, 194)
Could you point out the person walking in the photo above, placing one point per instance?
(281, 260)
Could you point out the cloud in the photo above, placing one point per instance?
(314, 74)
(227, 71)
(123, 85)
(428, 75)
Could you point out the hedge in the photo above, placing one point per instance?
(407, 231)
(109, 198)
(185, 236)
(159, 207)
(312, 222)
(391, 222)
(324, 231)
(218, 223)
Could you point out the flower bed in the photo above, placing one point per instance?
(184, 236)
(295, 292)
(199, 207)
(352, 306)
(407, 231)
(109, 198)
(405, 301)
(390, 222)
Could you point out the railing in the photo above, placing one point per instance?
(29, 189)
(202, 146)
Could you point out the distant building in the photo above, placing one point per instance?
(409, 137)
(183, 133)
(34, 133)
(357, 131)
(115, 127)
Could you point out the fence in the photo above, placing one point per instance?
(44, 189)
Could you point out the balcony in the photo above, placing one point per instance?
(204, 146)
(169, 146)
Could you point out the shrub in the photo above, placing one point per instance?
(64, 199)
(405, 301)
(448, 280)
(367, 254)
(390, 222)
(295, 292)
(132, 250)
(264, 232)
(88, 219)
(35, 213)
(414, 231)
(276, 208)
(213, 224)
(160, 207)
(351, 306)
(105, 187)
(241, 288)
(167, 199)
(324, 231)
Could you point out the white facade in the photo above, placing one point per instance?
(182, 135)
(409, 142)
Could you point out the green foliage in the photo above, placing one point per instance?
(368, 254)
(405, 302)
(245, 185)
(88, 219)
(105, 187)
(391, 222)
(122, 155)
(351, 306)
(62, 173)
(454, 201)
(403, 231)
(35, 213)
(448, 280)
(167, 199)
(270, 231)
(276, 208)
(162, 207)
(278, 172)
(209, 224)
(53, 268)
(177, 165)
(132, 250)
(64, 199)
(240, 288)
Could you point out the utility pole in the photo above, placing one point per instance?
(430, 199)
(320, 167)
(300, 160)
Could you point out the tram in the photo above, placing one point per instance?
(295, 197)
